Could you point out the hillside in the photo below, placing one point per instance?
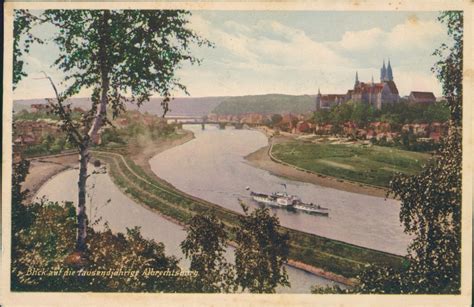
(266, 104)
(186, 106)
(200, 106)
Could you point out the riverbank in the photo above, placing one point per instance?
(262, 159)
(320, 256)
(331, 259)
(141, 155)
(44, 168)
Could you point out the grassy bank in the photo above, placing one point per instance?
(374, 165)
(331, 255)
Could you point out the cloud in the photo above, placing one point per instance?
(264, 54)
(414, 33)
(404, 37)
(361, 40)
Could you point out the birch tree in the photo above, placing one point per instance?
(121, 56)
(22, 40)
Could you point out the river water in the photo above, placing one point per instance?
(212, 167)
(121, 213)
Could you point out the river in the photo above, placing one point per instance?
(122, 212)
(212, 167)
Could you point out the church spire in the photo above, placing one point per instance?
(357, 79)
(318, 100)
(383, 72)
(389, 72)
(372, 80)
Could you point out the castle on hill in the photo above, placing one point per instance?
(375, 94)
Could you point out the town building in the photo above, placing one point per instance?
(422, 97)
(39, 107)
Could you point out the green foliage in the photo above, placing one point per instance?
(111, 135)
(431, 212)
(328, 290)
(47, 141)
(265, 104)
(276, 119)
(362, 114)
(342, 113)
(262, 250)
(396, 114)
(93, 54)
(44, 239)
(408, 141)
(205, 246)
(22, 40)
(431, 200)
(19, 172)
(438, 112)
(157, 43)
(322, 117)
(449, 67)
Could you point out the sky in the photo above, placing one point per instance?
(287, 52)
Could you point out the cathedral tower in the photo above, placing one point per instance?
(318, 100)
(383, 73)
(389, 75)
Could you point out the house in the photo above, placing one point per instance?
(328, 101)
(350, 128)
(289, 120)
(422, 97)
(380, 127)
(370, 134)
(39, 107)
(303, 126)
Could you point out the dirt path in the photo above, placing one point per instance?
(262, 160)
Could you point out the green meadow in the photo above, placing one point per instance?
(372, 165)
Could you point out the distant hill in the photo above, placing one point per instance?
(200, 106)
(179, 106)
(266, 104)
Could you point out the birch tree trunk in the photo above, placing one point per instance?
(93, 134)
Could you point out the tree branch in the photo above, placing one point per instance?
(65, 115)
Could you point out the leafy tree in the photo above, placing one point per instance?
(22, 40)
(321, 117)
(438, 112)
(276, 119)
(362, 114)
(95, 55)
(341, 113)
(48, 141)
(45, 243)
(41, 239)
(450, 64)
(262, 250)
(205, 246)
(431, 200)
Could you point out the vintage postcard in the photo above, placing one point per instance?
(248, 153)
